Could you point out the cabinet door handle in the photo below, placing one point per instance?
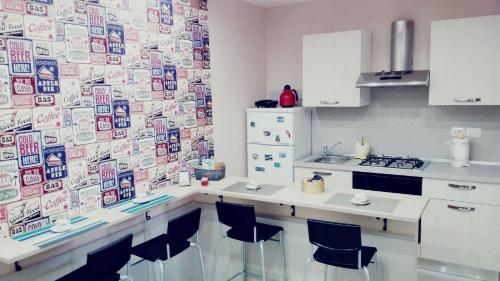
(461, 208)
(329, 102)
(321, 173)
(467, 100)
(462, 186)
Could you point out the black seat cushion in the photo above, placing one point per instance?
(345, 260)
(264, 232)
(156, 249)
(83, 274)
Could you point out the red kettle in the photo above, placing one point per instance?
(288, 97)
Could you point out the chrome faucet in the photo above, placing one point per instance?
(326, 150)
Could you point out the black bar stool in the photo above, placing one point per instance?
(103, 264)
(244, 227)
(166, 246)
(339, 245)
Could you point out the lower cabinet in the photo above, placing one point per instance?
(461, 233)
(333, 178)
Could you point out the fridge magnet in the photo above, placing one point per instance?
(55, 202)
(84, 130)
(12, 24)
(96, 20)
(55, 162)
(50, 117)
(20, 53)
(29, 146)
(9, 182)
(116, 39)
(31, 176)
(39, 28)
(121, 111)
(126, 185)
(102, 100)
(77, 43)
(109, 197)
(89, 198)
(107, 172)
(5, 90)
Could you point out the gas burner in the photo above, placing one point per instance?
(408, 163)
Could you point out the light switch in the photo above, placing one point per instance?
(473, 132)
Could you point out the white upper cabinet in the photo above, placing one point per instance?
(331, 64)
(465, 61)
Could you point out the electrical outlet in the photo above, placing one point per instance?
(473, 132)
(456, 130)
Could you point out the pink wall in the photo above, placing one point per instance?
(285, 26)
(238, 62)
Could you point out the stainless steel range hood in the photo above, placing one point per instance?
(401, 73)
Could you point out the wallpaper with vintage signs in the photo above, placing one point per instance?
(99, 100)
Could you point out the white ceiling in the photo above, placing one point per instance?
(272, 3)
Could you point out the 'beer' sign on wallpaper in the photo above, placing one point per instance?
(99, 100)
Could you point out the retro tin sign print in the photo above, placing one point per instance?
(55, 162)
(97, 20)
(77, 43)
(47, 76)
(84, 130)
(121, 111)
(126, 185)
(40, 28)
(116, 39)
(102, 99)
(5, 93)
(20, 54)
(9, 182)
(108, 173)
(29, 147)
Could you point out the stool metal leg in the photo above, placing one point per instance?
(216, 257)
(162, 270)
(283, 256)
(325, 277)
(244, 259)
(376, 267)
(367, 273)
(262, 262)
(201, 262)
(306, 268)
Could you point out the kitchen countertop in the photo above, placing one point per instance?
(435, 170)
(409, 209)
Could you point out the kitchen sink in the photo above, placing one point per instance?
(331, 159)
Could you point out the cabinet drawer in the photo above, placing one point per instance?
(461, 233)
(481, 193)
(333, 178)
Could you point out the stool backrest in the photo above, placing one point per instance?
(236, 215)
(110, 258)
(183, 227)
(335, 236)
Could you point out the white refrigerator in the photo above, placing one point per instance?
(276, 137)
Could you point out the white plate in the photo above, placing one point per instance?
(61, 228)
(360, 202)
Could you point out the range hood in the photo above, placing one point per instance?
(401, 73)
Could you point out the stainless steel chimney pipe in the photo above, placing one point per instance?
(402, 33)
